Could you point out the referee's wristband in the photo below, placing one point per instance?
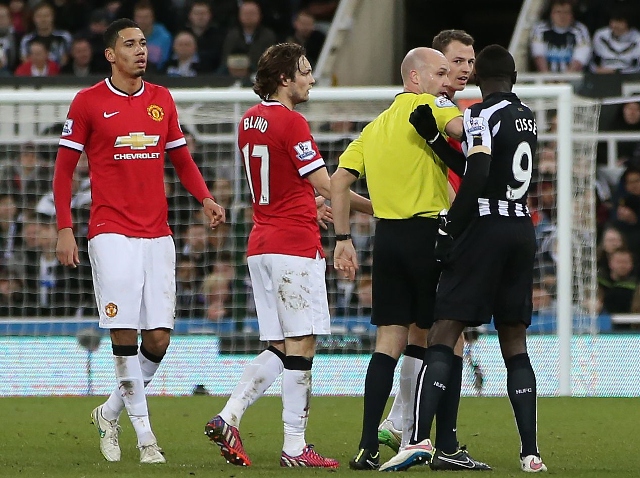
(343, 237)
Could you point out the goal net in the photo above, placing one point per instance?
(216, 320)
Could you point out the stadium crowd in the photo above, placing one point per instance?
(185, 39)
(202, 37)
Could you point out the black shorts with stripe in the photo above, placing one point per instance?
(405, 272)
(490, 273)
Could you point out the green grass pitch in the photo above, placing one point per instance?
(53, 437)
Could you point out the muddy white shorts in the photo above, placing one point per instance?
(290, 294)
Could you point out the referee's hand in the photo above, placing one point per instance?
(345, 259)
(424, 123)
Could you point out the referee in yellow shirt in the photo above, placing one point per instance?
(408, 188)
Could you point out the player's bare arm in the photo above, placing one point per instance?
(454, 128)
(321, 182)
(325, 213)
(345, 258)
(66, 248)
(214, 212)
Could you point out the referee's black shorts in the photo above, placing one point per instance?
(490, 273)
(405, 272)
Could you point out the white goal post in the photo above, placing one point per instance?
(23, 113)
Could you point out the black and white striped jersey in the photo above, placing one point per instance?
(505, 128)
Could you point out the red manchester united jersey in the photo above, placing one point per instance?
(125, 137)
(278, 152)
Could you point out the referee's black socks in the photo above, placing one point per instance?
(377, 388)
(521, 387)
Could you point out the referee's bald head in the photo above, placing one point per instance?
(417, 58)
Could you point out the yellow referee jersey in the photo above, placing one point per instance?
(404, 177)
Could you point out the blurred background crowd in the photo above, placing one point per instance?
(190, 38)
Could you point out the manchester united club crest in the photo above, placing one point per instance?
(155, 112)
(111, 310)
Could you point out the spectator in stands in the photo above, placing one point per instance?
(305, 34)
(322, 10)
(9, 226)
(616, 47)
(249, 37)
(71, 15)
(225, 14)
(158, 37)
(20, 16)
(189, 300)
(231, 264)
(216, 289)
(239, 68)
(626, 202)
(595, 13)
(617, 288)
(80, 199)
(165, 12)
(195, 246)
(93, 32)
(362, 231)
(80, 64)
(612, 239)
(220, 239)
(208, 35)
(8, 42)
(627, 119)
(28, 175)
(547, 163)
(542, 301)
(363, 295)
(604, 196)
(277, 16)
(185, 60)
(560, 44)
(51, 289)
(11, 292)
(38, 62)
(222, 190)
(224, 265)
(58, 42)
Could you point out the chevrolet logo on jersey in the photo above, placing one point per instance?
(136, 141)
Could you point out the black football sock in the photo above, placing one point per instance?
(432, 383)
(377, 388)
(447, 414)
(521, 387)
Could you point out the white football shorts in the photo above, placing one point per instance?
(290, 294)
(134, 281)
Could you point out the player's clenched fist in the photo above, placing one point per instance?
(214, 212)
(425, 124)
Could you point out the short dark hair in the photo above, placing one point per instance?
(495, 62)
(38, 41)
(201, 3)
(113, 30)
(442, 40)
(276, 62)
